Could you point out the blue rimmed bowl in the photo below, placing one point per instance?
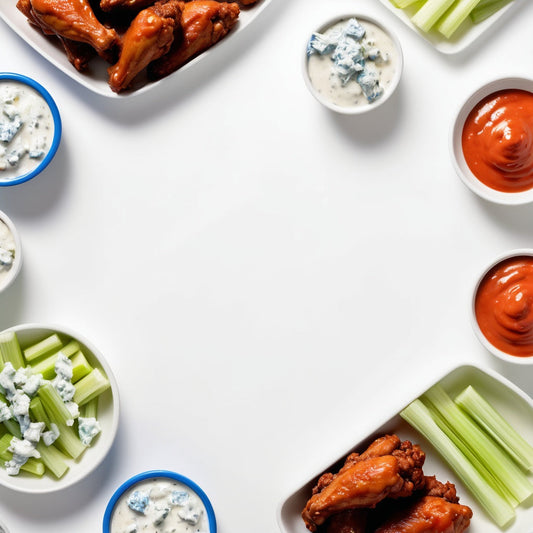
(26, 175)
(159, 474)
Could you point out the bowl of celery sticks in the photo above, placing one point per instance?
(59, 408)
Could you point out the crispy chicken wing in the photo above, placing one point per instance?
(134, 5)
(149, 36)
(74, 20)
(350, 521)
(366, 480)
(203, 23)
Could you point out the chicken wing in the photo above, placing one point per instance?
(350, 521)
(363, 483)
(149, 36)
(132, 5)
(74, 20)
(203, 23)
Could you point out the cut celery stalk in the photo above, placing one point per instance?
(13, 428)
(450, 23)
(46, 366)
(419, 416)
(10, 351)
(91, 386)
(428, 15)
(32, 465)
(43, 348)
(90, 409)
(494, 424)
(488, 452)
(38, 412)
(487, 8)
(53, 459)
(53, 404)
(69, 442)
(80, 366)
(403, 3)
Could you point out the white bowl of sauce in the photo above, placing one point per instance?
(352, 64)
(158, 500)
(502, 307)
(10, 252)
(30, 128)
(492, 141)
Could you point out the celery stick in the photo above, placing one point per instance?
(13, 427)
(449, 24)
(46, 366)
(91, 386)
(90, 409)
(80, 366)
(493, 457)
(43, 348)
(10, 349)
(53, 404)
(487, 8)
(428, 15)
(494, 423)
(69, 442)
(38, 413)
(53, 459)
(418, 415)
(402, 3)
(32, 465)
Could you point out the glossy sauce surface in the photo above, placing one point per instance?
(504, 306)
(497, 140)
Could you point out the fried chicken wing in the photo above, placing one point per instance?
(203, 23)
(149, 36)
(74, 20)
(366, 480)
(350, 521)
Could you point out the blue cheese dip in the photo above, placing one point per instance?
(26, 129)
(159, 505)
(351, 63)
(7, 253)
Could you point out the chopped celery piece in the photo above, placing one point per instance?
(91, 386)
(32, 465)
(450, 23)
(90, 409)
(494, 423)
(46, 366)
(428, 15)
(419, 416)
(43, 348)
(13, 427)
(53, 404)
(38, 413)
(53, 459)
(10, 349)
(80, 366)
(403, 3)
(69, 442)
(488, 452)
(487, 8)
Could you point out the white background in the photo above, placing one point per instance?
(266, 279)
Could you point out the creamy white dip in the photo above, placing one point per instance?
(324, 76)
(159, 505)
(7, 254)
(26, 129)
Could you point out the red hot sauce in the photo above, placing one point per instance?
(504, 306)
(497, 140)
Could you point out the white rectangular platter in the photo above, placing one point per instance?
(512, 402)
(96, 79)
(465, 36)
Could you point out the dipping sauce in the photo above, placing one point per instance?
(7, 254)
(504, 306)
(159, 505)
(26, 129)
(352, 62)
(497, 140)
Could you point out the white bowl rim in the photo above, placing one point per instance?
(17, 263)
(517, 360)
(356, 110)
(61, 484)
(461, 168)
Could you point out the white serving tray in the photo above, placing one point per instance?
(513, 403)
(465, 36)
(96, 78)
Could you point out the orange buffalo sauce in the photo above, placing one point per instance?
(504, 306)
(497, 140)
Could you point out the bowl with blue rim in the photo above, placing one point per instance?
(352, 63)
(159, 498)
(30, 128)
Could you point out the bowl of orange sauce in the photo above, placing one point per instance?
(502, 306)
(492, 141)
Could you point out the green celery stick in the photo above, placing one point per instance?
(10, 349)
(402, 3)
(53, 459)
(80, 366)
(487, 8)
(13, 428)
(428, 15)
(450, 23)
(32, 465)
(91, 386)
(53, 404)
(90, 409)
(37, 412)
(46, 366)
(69, 441)
(43, 348)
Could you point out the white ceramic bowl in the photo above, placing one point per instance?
(108, 415)
(13, 272)
(388, 90)
(518, 360)
(458, 159)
